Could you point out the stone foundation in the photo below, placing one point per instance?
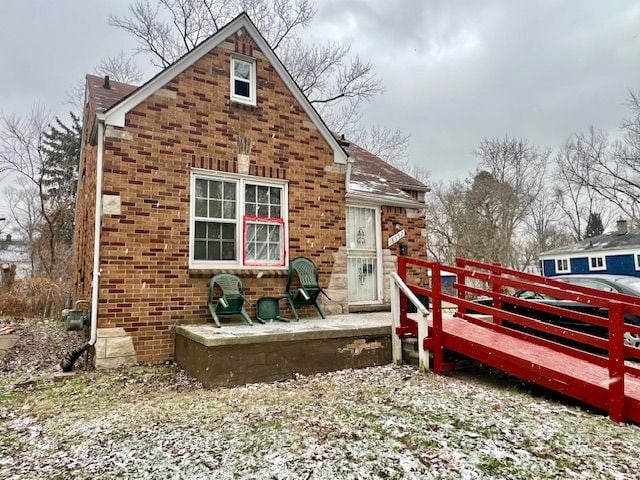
(114, 348)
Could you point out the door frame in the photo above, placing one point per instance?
(379, 266)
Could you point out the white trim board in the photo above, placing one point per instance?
(115, 115)
(592, 253)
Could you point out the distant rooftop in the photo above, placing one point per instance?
(607, 241)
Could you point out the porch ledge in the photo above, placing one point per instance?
(337, 326)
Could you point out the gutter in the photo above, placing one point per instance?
(96, 236)
(70, 358)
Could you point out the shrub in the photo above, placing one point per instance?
(33, 297)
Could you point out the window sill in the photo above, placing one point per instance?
(243, 103)
(258, 272)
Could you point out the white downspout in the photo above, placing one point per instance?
(95, 284)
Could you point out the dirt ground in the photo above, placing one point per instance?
(383, 422)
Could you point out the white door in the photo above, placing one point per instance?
(362, 255)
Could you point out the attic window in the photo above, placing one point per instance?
(243, 80)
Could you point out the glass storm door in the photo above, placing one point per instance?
(362, 255)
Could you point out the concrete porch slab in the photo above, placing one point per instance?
(240, 354)
(335, 326)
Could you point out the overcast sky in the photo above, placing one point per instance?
(454, 71)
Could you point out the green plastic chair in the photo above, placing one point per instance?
(232, 300)
(309, 290)
(268, 310)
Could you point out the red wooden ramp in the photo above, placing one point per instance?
(603, 380)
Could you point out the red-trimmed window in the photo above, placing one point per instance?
(237, 222)
(263, 225)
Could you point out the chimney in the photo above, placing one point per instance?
(621, 227)
(106, 83)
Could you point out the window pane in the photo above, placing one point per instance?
(213, 231)
(215, 189)
(263, 194)
(213, 250)
(275, 196)
(201, 208)
(274, 252)
(201, 188)
(228, 251)
(201, 230)
(229, 209)
(199, 252)
(241, 69)
(274, 233)
(275, 212)
(250, 209)
(263, 211)
(229, 191)
(215, 209)
(228, 231)
(241, 88)
(261, 233)
(250, 193)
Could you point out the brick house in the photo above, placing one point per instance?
(220, 164)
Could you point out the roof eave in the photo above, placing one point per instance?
(387, 200)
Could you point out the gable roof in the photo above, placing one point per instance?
(115, 114)
(600, 243)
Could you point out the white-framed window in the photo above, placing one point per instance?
(636, 259)
(597, 263)
(243, 80)
(563, 265)
(237, 221)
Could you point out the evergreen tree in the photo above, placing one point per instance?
(62, 149)
(594, 226)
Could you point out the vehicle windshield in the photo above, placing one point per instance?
(632, 283)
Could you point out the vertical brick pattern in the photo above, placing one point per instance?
(146, 286)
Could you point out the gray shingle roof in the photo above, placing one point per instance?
(607, 241)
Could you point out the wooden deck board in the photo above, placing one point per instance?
(570, 375)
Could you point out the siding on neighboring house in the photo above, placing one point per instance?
(618, 264)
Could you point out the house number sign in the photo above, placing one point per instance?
(395, 238)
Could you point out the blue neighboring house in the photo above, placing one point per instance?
(616, 253)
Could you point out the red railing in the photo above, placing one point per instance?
(607, 351)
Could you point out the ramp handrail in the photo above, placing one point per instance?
(430, 338)
(397, 285)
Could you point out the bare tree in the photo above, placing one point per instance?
(576, 172)
(542, 229)
(613, 172)
(23, 153)
(333, 79)
(120, 68)
(518, 169)
(25, 212)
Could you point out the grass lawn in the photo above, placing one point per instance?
(384, 422)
